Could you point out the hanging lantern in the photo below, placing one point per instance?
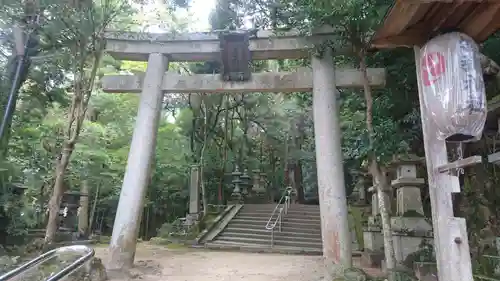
(453, 88)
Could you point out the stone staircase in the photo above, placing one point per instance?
(300, 233)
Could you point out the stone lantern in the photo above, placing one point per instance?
(256, 181)
(18, 189)
(68, 211)
(409, 226)
(373, 253)
(194, 195)
(359, 192)
(236, 181)
(246, 183)
(259, 182)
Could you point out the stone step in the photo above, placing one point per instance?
(247, 225)
(302, 225)
(289, 231)
(301, 230)
(313, 233)
(254, 241)
(302, 206)
(265, 238)
(267, 241)
(246, 247)
(259, 207)
(288, 219)
(304, 212)
(270, 209)
(297, 218)
(260, 211)
(254, 218)
(255, 214)
(251, 222)
(261, 223)
(262, 249)
(278, 236)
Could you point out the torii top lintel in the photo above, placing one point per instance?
(411, 23)
(205, 46)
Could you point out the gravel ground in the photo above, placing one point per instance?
(158, 263)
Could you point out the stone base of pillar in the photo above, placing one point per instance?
(409, 235)
(354, 241)
(192, 219)
(236, 199)
(425, 271)
(373, 239)
(414, 225)
(405, 245)
(257, 198)
(372, 258)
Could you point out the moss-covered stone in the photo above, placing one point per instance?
(160, 241)
(356, 221)
(412, 214)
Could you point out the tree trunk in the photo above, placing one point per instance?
(286, 178)
(204, 194)
(17, 68)
(224, 157)
(82, 92)
(383, 193)
(272, 181)
(94, 206)
(379, 175)
(298, 182)
(83, 215)
(55, 199)
(146, 227)
(298, 178)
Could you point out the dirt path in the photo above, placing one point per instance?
(156, 263)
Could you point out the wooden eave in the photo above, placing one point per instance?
(413, 22)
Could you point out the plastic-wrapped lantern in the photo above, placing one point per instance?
(453, 88)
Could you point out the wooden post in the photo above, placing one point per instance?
(450, 233)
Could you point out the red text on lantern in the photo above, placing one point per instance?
(432, 67)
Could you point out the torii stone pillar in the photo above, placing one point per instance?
(128, 215)
(331, 186)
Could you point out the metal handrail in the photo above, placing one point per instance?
(86, 254)
(282, 210)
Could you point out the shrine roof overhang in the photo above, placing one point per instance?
(411, 23)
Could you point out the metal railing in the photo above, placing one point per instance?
(85, 254)
(282, 209)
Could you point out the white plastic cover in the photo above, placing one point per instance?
(453, 87)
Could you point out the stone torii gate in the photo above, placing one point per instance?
(161, 49)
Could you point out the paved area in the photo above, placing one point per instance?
(158, 263)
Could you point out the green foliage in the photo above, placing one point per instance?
(100, 157)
